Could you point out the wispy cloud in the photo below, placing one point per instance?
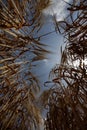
(56, 7)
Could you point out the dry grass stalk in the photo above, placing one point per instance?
(18, 85)
(68, 101)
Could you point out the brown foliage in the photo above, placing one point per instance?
(19, 19)
(68, 101)
(74, 28)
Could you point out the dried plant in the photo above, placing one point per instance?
(19, 20)
(68, 99)
(74, 28)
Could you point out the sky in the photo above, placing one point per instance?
(56, 7)
(53, 40)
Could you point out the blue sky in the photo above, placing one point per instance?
(53, 40)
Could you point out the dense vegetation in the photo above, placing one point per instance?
(68, 98)
(19, 49)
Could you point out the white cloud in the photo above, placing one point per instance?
(56, 7)
(45, 61)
